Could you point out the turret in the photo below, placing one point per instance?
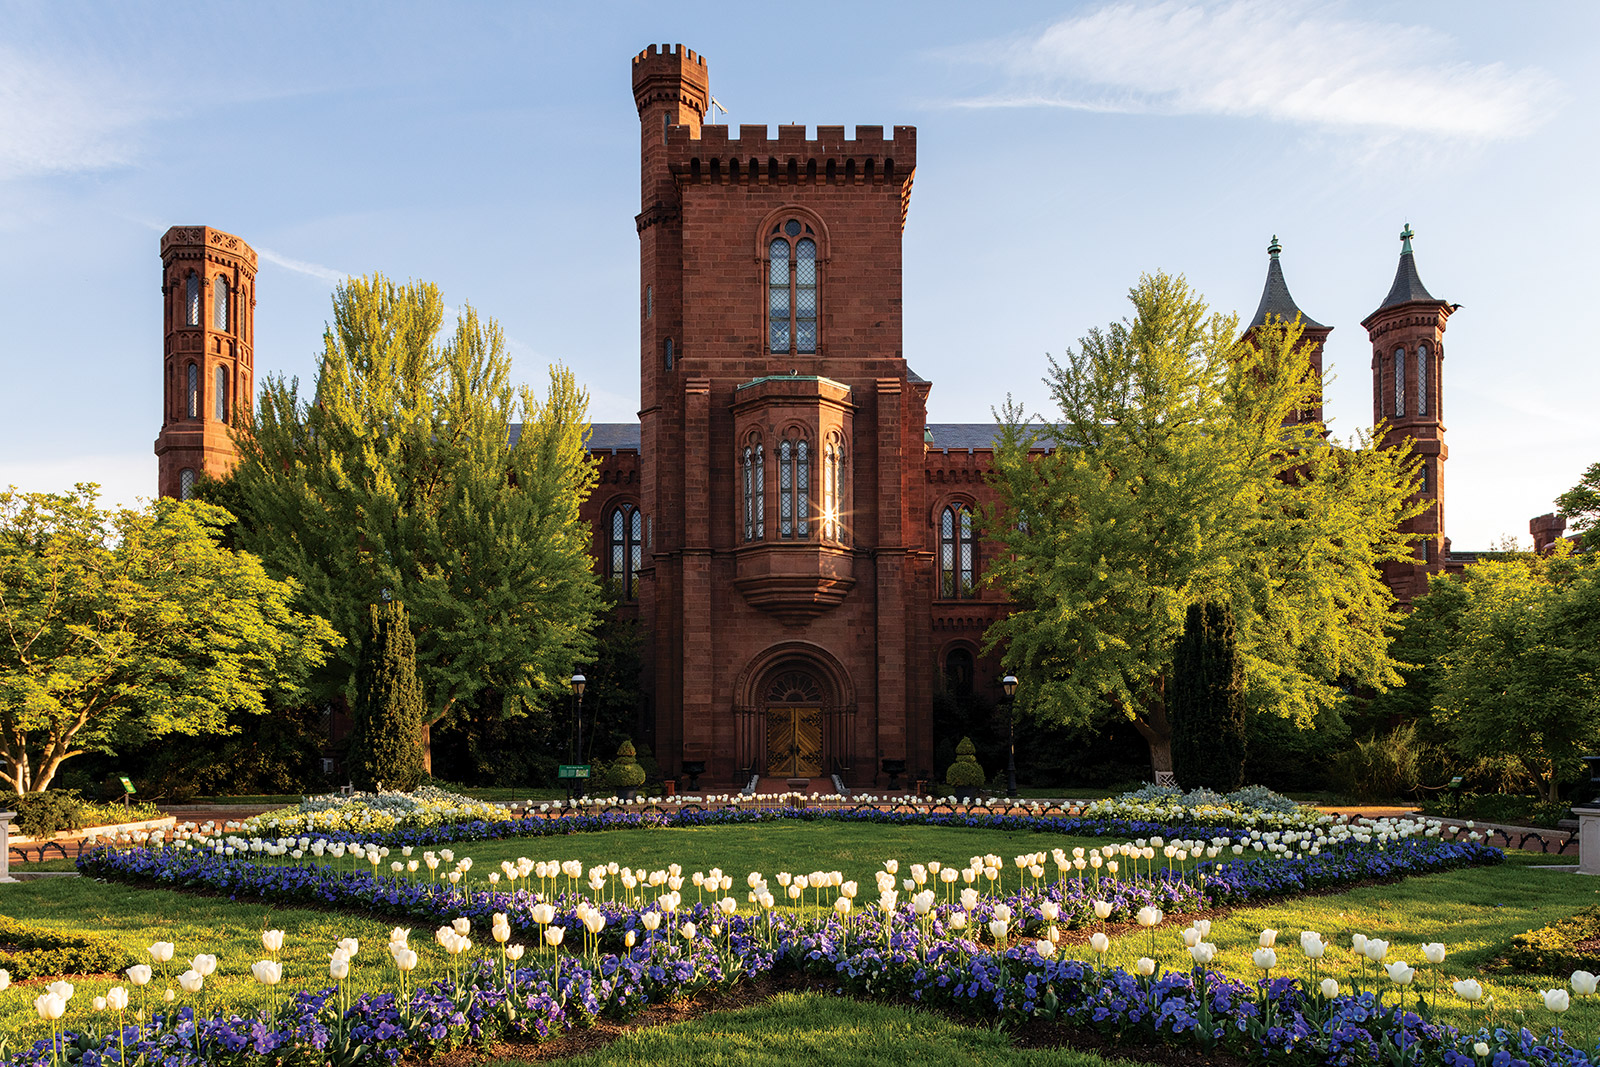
(208, 292)
(1278, 304)
(1407, 334)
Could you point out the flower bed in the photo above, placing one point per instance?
(366, 814)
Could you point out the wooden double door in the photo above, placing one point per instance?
(794, 741)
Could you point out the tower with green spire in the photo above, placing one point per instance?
(1407, 335)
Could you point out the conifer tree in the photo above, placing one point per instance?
(386, 742)
(1207, 703)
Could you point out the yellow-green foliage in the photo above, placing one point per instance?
(1554, 949)
(35, 952)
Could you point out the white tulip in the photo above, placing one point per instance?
(1468, 989)
(1480, 1048)
(1203, 953)
(1269, 938)
(1145, 965)
(338, 966)
(1433, 952)
(1264, 958)
(1375, 949)
(139, 973)
(1556, 1000)
(1330, 987)
(1100, 942)
(191, 981)
(997, 929)
(117, 998)
(272, 940)
(1400, 973)
(267, 972)
(49, 1006)
(204, 965)
(553, 935)
(1102, 909)
(161, 951)
(62, 989)
(1583, 983)
(1149, 915)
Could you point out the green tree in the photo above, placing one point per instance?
(1581, 504)
(385, 749)
(1180, 472)
(1522, 677)
(121, 627)
(417, 471)
(1208, 737)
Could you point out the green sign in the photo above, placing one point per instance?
(573, 770)
(1455, 783)
(127, 785)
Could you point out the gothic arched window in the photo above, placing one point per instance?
(191, 300)
(186, 484)
(627, 551)
(794, 486)
(792, 288)
(1422, 379)
(221, 398)
(219, 305)
(192, 407)
(958, 671)
(955, 553)
(833, 471)
(1399, 382)
(755, 489)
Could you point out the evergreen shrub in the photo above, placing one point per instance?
(965, 773)
(29, 951)
(385, 748)
(1207, 704)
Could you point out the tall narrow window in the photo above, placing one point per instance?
(667, 350)
(1399, 382)
(832, 481)
(649, 301)
(1422, 379)
(221, 398)
(755, 495)
(627, 551)
(219, 305)
(955, 553)
(186, 484)
(786, 489)
(191, 300)
(802, 489)
(192, 407)
(792, 288)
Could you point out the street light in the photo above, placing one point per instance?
(578, 682)
(1009, 684)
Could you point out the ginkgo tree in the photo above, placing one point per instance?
(119, 627)
(1181, 470)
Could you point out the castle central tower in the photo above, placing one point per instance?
(208, 294)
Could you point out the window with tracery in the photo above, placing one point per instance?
(833, 471)
(956, 553)
(792, 288)
(191, 300)
(1422, 379)
(192, 408)
(667, 356)
(186, 484)
(1399, 381)
(958, 672)
(794, 489)
(627, 550)
(219, 305)
(755, 490)
(221, 398)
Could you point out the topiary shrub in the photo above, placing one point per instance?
(385, 748)
(625, 773)
(36, 952)
(965, 773)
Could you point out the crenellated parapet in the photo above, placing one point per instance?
(755, 157)
(200, 242)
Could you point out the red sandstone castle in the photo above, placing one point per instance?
(793, 535)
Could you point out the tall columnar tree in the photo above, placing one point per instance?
(1178, 476)
(117, 628)
(1208, 733)
(385, 749)
(418, 471)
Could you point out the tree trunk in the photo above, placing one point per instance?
(427, 749)
(1153, 725)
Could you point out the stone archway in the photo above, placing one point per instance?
(795, 712)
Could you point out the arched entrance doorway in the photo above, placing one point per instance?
(792, 706)
(796, 713)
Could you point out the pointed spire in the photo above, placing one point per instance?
(1407, 287)
(1275, 298)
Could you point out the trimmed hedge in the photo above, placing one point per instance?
(29, 951)
(1554, 949)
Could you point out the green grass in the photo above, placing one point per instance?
(808, 1028)
(1473, 912)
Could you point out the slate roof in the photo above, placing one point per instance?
(1407, 287)
(603, 436)
(1275, 298)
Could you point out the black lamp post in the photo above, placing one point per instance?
(578, 682)
(1009, 684)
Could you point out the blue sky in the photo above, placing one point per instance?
(1063, 149)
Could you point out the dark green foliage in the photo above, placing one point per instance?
(1581, 504)
(276, 753)
(1558, 949)
(386, 739)
(964, 773)
(1291, 756)
(42, 814)
(1207, 702)
(36, 952)
(613, 702)
(625, 773)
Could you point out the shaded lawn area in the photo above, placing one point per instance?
(813, 1028)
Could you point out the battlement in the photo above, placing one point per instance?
(673, 73)
(191, 237)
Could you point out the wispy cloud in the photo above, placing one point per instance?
(1285, 60)
(300, 266)
(61, 118)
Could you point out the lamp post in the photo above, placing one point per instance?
(1009, 684)
(578, 682)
